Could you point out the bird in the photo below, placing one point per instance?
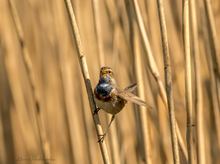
(112, 99)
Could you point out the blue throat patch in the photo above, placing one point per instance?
(104, 87)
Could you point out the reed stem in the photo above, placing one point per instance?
(32, 81)
(85, 72)
(168, 81)
(140, 80)
(198, 85)
(153, 67)
(188, 80)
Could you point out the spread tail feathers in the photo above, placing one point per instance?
(131, 87)
(131, 97)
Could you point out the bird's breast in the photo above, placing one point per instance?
(106, 98)
(103, 89)
(114, 106)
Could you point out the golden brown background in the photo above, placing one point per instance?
(60, 128)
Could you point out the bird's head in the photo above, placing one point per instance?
(106, 72)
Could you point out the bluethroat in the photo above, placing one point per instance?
(110, 98)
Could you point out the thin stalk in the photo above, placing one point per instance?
(168, 81)
(188, 80)
(212, 98)
(98, 30)
(154, 69)
(215, 65)
(215, 105)
(71, 118)
(140, 81)
(115, 150)
(114, 143)
(214, 38)
(31, 78)
(85, 72)
(198, 85)
(152, 64)
(215, 54)
(213, 87)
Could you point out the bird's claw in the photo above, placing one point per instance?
(96, 111)
(101, 138)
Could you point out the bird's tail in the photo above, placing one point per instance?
(131, 87)
(129, 96)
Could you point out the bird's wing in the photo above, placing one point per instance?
(131, 87)
(130, 97)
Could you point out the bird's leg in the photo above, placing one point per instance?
(106, 131)
(97, 109)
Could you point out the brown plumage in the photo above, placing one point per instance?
(112, 99)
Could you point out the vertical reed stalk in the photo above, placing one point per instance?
(31, 78)
(215, 54)
(115, 152)
(188, 80)
(213, 87)
(98, 31)
(141, 89)
(214, 38)
(85, 72)
(168, 81)
(215, 65)
(153, 67)
(72, 119)
(198, 85)
(151, 61)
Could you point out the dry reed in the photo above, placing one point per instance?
(168, 80)
(43, 101)
(153, 67)
(84, 69)
(198, 85)
(188, 80)
(140, 80)
(214, 63)
(45, 150)
(98, 31)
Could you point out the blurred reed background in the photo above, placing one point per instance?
(45, 115)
